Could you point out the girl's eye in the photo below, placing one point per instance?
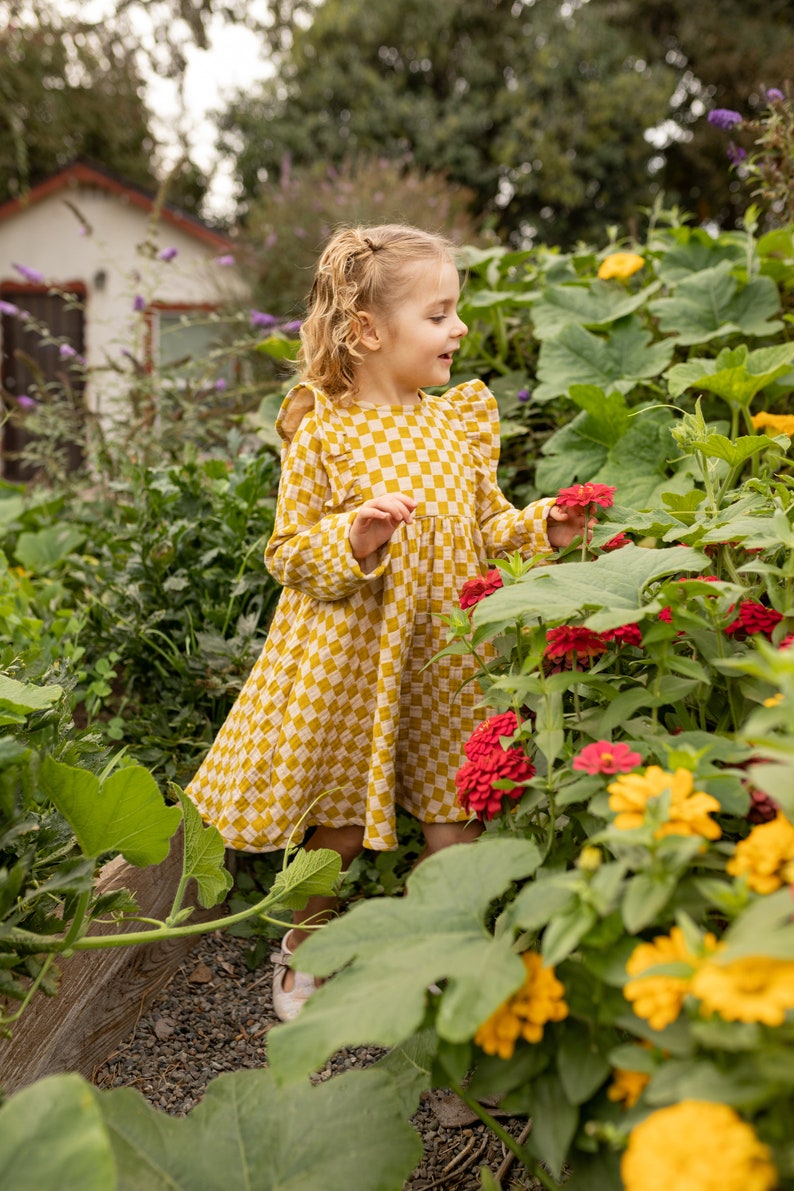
(437, 318)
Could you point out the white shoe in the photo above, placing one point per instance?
(287, 1003)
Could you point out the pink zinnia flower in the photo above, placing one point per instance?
(580, 496)
(474, 590)
(605, 757)
(753, 618)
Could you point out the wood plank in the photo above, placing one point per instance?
(103, 992)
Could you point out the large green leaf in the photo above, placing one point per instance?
(712, 303)
(695, 250)
(247, 1133)
(387, 951)
(47, 548)
(53, 1138)
(619, 361)
(21, 698)
(125, 814)
(554, 1122)
(737, 374)
(204, 857)
(613, 583)
(595, 305)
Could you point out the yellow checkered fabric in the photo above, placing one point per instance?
(339, 720)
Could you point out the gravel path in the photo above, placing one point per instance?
(214, 1016)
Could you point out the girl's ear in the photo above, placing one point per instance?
(368, 333)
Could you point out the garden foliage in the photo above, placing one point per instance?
(615, 956)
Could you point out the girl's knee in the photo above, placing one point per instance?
(442, 835)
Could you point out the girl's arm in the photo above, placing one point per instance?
(310, 548)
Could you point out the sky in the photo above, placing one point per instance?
(232, 62)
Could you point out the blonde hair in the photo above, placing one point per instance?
(361, 268)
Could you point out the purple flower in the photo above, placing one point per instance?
(293, 326)
(226, 259)
(25, 402)
(66, 352)
(167, 254)
(736, 153)
(9, 308)
(31, 275)
(724, 118)
(523, 395)
(221, 385)
(138, 303)
(774, 95)
(260, 318)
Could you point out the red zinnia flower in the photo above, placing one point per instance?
(580, 496)
(486, 736)
(624, 634)
(569, 641)
(488, 761)
(474, 590)
(787, 641)
(605, 757)
(666, 614)
(762, 808)
(753, 618)
(617, 543)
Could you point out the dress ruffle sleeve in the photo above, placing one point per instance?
(504, 528)
(309, 549)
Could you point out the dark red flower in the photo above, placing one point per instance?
(617, 543)
(787, 641)
(474, 590)
(753, 618)
(624, 634)
(666, 614)
(762, 808)
(569, 641)
(580, 496)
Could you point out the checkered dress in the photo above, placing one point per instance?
(339, 719)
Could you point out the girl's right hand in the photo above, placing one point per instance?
(376, 521)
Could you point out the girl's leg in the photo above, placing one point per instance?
(348, 842)
(441, 835)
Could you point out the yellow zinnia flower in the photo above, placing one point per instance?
(766, 857)
(620, 265)
(755, 988)
(696, 1146)
(781, 423)
(627, 1086)
(524, 1013)
(689, 809)
(658, 998)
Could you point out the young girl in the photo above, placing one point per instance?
(388, 502)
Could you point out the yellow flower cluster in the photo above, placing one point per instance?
(755, 988)
(658, 998)
(766, 857)
(620, 265)
(696, 1146)
(627, 1086)
(523, 1015)
(689, 809)
(780, 423)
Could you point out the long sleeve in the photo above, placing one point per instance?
(503, 527)
(309, 548)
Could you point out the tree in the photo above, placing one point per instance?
(57, 97)
(561, 117)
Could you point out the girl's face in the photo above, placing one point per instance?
(419, 337)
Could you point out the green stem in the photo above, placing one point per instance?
(7, 1021)
(506, 1138)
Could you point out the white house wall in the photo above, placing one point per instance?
(102, 250)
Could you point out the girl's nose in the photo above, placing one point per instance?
(461, 329)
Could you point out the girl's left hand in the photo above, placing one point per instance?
(564, 525)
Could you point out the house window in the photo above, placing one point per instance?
(191, 346)
(42, 350)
